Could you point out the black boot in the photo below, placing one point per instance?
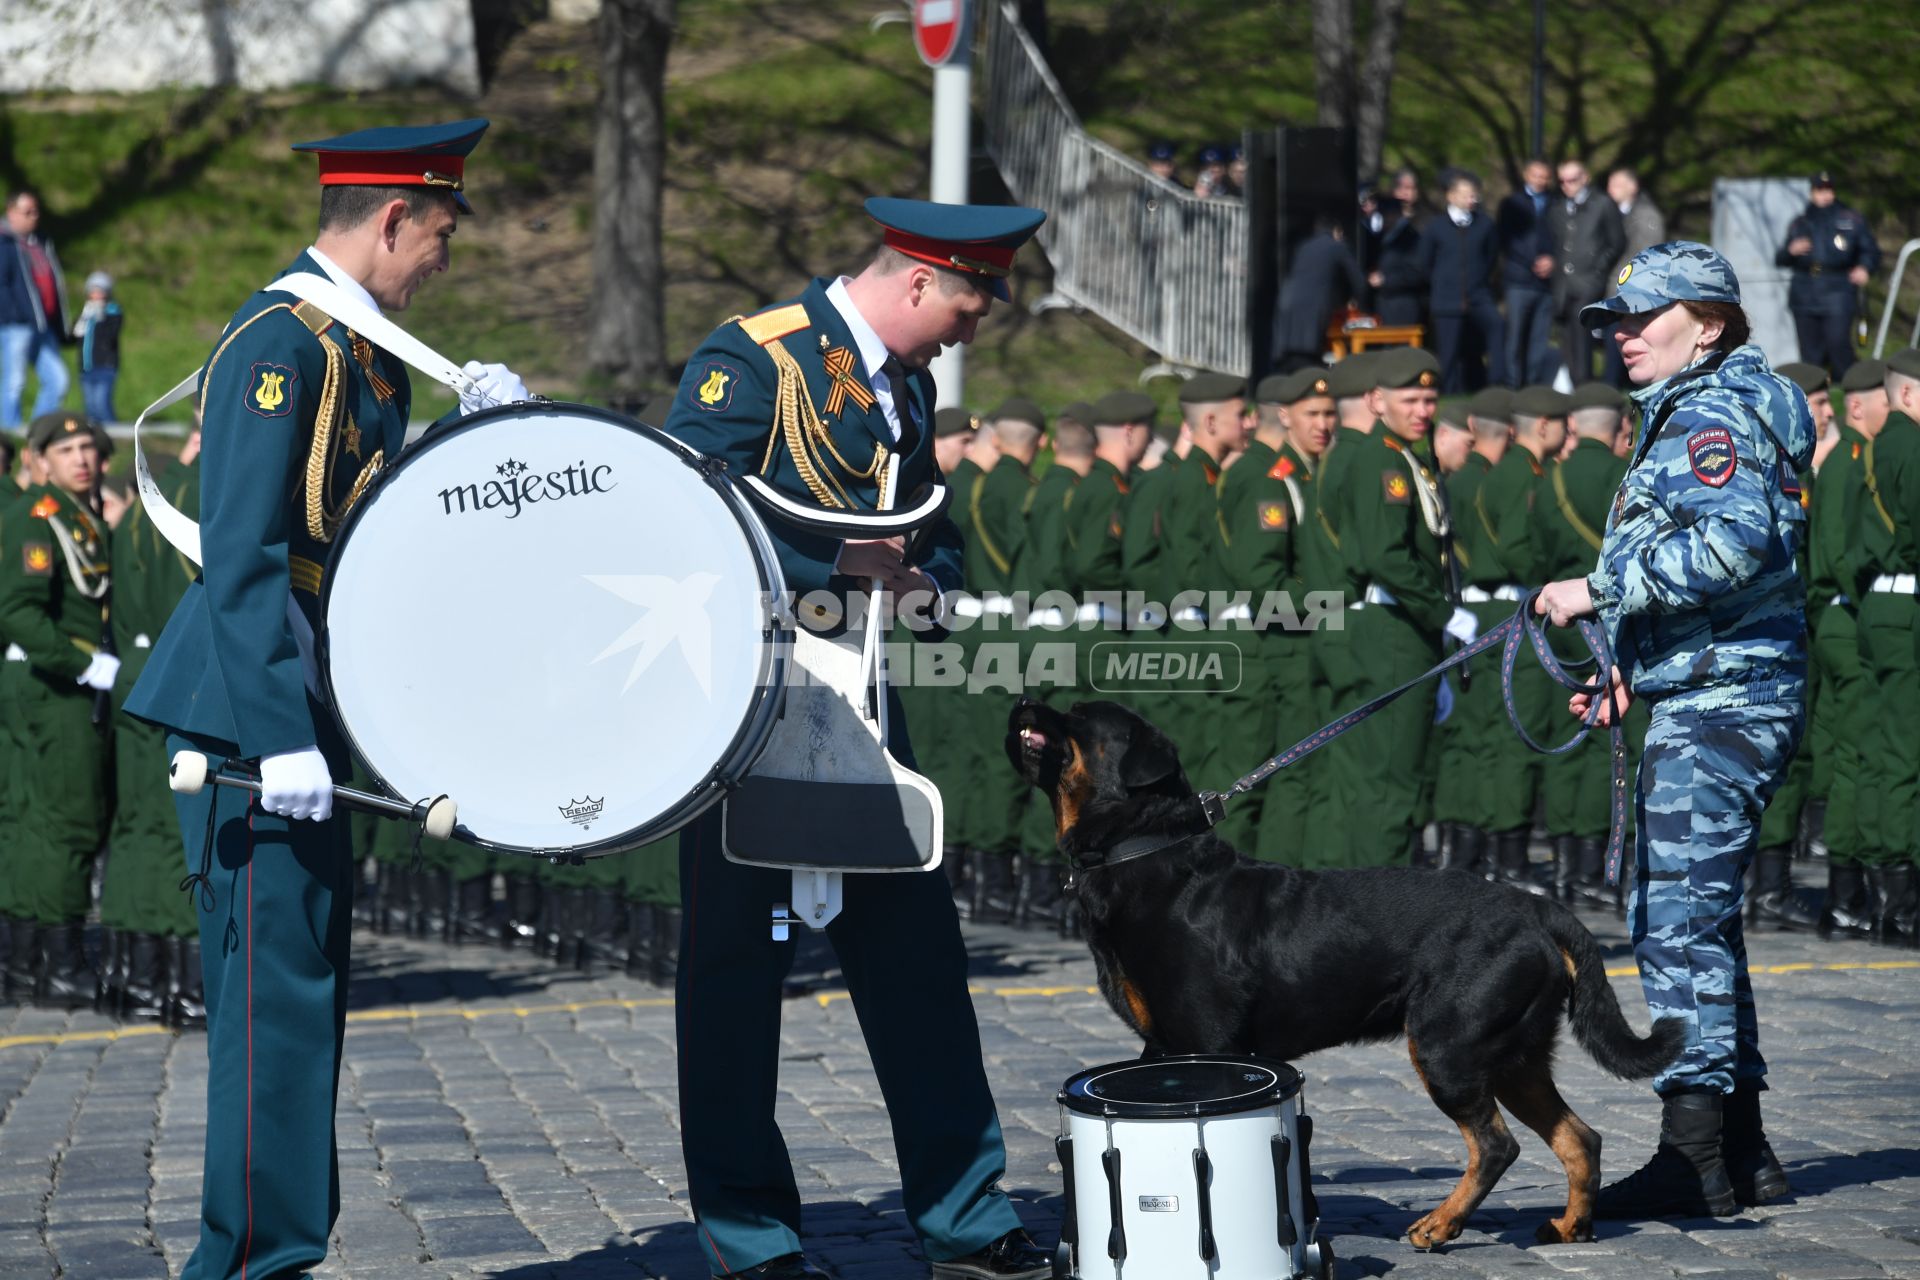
(1893, 905)
(1774, 901)
(1751, 1166)
(435, 895)
(571, 919)
(1590, 887)
(1042, 894)
(666, 946)
(1447, 840)
(601, 934)
(144, 986)
(1511, 864)
(996, 888)
(68, 982)
(109, 996)
(523, 911)
(1845, 912)
(366, 900)
(473, 903)
(1686, 1178)
(22, 959)
(1019, 914)
(546, 930)
(186, 994)
(639, 958)
(1566, 867)
(1467, 851)
(957, 863)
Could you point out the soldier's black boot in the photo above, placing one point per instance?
(1019, 911)
(22, 959)
(144, 986)
(1752, 1168)
(473, 903)
(1590, 887)
(996, 888)
(435, 899)
(1467, 852)
(570, 925)
(1893, 904)
(108, 997)
(1687, 1176)
(602, 936)
(1566, 867)
(1042, 893)
(666, 946)
(1844, 912)
(957, 862)
(1446, 838)
(186, 994)
(1773, 900)
(639, 959)
(366, 899)
(1511, 865)
(68, 982)
(523, 911)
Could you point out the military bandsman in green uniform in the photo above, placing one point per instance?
(937, 275)
(59, 671)
(299, 414)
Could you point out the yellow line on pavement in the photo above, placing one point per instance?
(822, 998)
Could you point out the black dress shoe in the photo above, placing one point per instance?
(788, 1266)
(1014, 1256)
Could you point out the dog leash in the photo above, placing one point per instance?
(1523, 626)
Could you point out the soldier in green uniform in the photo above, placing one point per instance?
(53, 587)
(938, 272)
(997, 524)
(1884, 559)
(154, 947)
(1843, 710)
(1388, 517)
(1570, 515)
(1211, 407)
(1097, 513)
(1266, 549)
(1479, 720)
(1505, 506)
(1143, 542)
(298, 416)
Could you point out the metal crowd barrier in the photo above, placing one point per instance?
(1162, 265)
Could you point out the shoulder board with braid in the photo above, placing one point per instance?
(777, 323)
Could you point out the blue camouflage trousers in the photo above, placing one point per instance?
(1705, 779)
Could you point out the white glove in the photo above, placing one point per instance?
(1463, 626)
(492, 384)
(297, 784)
(102, 670)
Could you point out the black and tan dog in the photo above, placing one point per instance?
(1203, 950)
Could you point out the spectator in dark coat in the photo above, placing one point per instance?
(1526, 276)
(1398, 279)
(1646, 227)
(33, 311)
(1458, 254)
(1589, 237)
(1322, 278)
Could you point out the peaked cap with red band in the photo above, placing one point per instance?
(976, 240)
(429, 155)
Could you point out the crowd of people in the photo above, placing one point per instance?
(34, 325)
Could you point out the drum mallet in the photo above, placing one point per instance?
(191, 772)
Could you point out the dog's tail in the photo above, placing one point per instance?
(1594, 1012)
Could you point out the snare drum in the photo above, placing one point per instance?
(1191, 1166)
(564, 619)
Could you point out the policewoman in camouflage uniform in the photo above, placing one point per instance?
(1697, 588)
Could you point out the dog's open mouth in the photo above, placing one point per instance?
(1032, 741)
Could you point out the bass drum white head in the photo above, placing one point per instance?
(548, 613)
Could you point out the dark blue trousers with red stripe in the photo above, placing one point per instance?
(275, 908)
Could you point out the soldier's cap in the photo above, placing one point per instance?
(1597, 395)
(1541, 402)
(976, 240)
(1019, 409)
(1301, 384)
(1212, 155)
(1677, 271)
(1161, 150)
(1212, 388)
(952, 421)
(1495, 404)
(1905, 361)
(1810, 378)
(1079, 411)
(1451, 418)
(1824, 178)
(1123, 408)
(1353, 376)
(1865, 375)
(1406, 367)
(50, 427)
(427, 155)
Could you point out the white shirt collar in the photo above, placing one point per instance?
(353, 287)
(873, 352)
(1461, 217)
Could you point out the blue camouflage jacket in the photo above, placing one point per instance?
(1697, 583)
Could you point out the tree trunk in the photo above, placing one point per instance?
(626, 326)
(1376, 84)
(1333, 62)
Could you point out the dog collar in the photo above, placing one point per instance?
(1126, 851)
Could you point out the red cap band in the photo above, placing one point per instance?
(397, 169)
(974, 259)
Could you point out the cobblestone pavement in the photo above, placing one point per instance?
(500, 1118)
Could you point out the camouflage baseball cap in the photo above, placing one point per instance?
(1675, 271)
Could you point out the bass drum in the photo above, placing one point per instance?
(564, 619)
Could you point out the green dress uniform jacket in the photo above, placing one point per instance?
(1142, 541)
(760, 393)
(53, 586)
(1508, 505)
(1841, 717)
(996, 649)
(1473, 736)
(299, 415)
(1046, 647)
(1883, 555)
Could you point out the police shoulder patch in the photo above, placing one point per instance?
(37, 559)
(711, 388)
(1710, 452)
(269, 392)
(1395, 486)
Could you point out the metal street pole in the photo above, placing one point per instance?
(1540, 78)
(952, 153)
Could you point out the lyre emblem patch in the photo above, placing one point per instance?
(715, 391)
(270, 390)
